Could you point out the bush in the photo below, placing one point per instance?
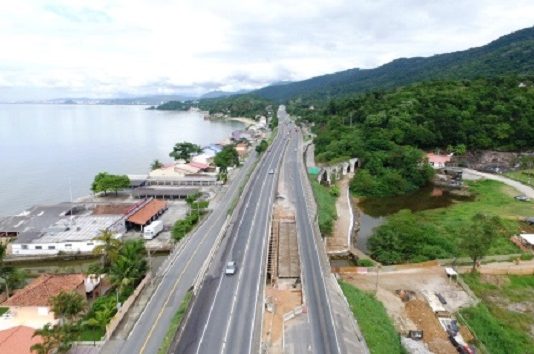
(334, 191)
(405, 238)
(526, 256)
(326, 205)
(365, 263)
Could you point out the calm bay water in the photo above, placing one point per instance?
(42, 147)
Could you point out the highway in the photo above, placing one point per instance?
(183, 268)
(322, 325)
(227, 313)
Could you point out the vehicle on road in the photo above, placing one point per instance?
(152, 230)
(271, 172)
(231, 268)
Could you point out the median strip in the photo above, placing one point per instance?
(175, 323)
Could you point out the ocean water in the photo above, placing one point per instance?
(44, 149)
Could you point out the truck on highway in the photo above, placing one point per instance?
(152, 230)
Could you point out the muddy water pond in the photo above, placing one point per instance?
(372, 212)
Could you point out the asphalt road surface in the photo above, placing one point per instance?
(322, 325)
(149, 331)
(227, 314)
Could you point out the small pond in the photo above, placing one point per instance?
(372, 212)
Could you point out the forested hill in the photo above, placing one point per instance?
(510, 54)
(386, 129)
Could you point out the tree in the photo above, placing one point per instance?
(11, 277)
(156, 164)
(55, 339)
(105, 182)
(227, 157)
(68, 305)
(184, 151)
(477, 236)
(108, 250)
(130, 265)
(262, 146)
(99, 320)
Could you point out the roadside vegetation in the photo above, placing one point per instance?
(503, 321)
(375, 324)
(437, 233)
(175, 323)
(227, 157)
(326, 206)
(197, 208)
(523, 176)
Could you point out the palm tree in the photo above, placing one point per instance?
(68, 305)
(130, 265)
(55, 339)
(109, 249)
(98, 320)
(5, 271)
(156, 164)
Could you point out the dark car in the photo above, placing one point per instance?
(441, 298)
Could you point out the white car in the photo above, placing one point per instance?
(271, 172)
(231, 268)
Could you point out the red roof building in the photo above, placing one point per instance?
(148, 212)
(18, 340)
(46, 286)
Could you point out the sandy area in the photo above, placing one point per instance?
(283, 300)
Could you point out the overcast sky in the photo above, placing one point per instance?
(96, 48)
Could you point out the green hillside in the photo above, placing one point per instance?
(510, 54)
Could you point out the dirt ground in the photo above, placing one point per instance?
(433, 334)
(338, 242)
(284, 299)
(416, 313)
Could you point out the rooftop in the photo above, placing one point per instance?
(76, 229)
(41, 289)
(144, 214)
(18, 340)
(36, 218)
(529, 238)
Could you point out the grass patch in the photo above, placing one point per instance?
(175, 323)
(375, 324)
(491, 197)
(92, 335)
(440, 226)
(501, 329)
(3, 310)
(523, 176)
(326, 205)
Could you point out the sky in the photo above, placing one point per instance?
(123, 48)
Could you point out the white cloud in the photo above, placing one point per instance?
(103, 48)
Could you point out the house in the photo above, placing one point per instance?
(438, 161)
(30, 306)
(18, 340)
(241, 149)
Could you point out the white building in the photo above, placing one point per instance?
(69, 235)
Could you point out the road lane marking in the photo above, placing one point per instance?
(249, 196)
(203, 239)
(225, 339)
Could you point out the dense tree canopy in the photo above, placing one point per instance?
(235, 106)
(105, 182)
(387, 129)
(184, 151)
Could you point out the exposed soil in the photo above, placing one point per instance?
(433, 334)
